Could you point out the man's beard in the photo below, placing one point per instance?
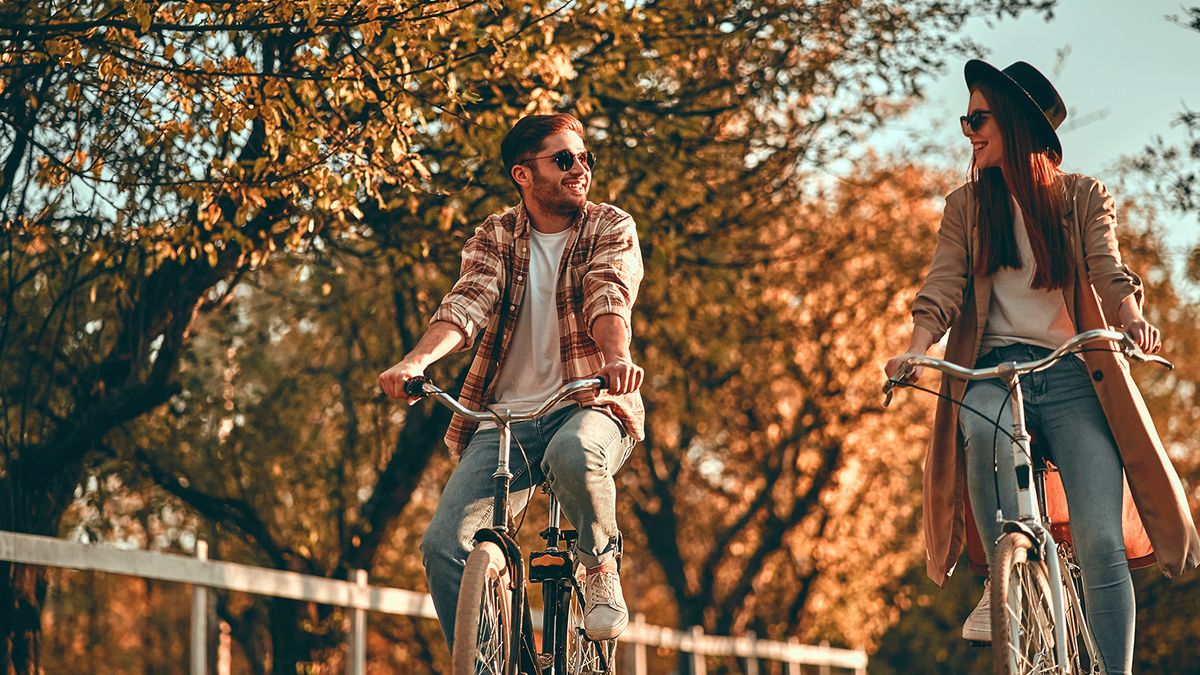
(555, 198)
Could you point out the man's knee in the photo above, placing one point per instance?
(568, 458)
(441, 541)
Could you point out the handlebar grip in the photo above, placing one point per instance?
(603, 382)
(415, 387)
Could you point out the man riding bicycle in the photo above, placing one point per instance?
(554, 281)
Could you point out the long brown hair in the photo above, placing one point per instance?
(1029, 172)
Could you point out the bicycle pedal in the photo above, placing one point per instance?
(550, 565)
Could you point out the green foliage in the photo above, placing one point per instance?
(156, 156)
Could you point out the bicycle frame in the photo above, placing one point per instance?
(1030, 513)
(521, 638)
(1031, 517)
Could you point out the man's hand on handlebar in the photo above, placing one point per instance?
(622, 376)
(393, 380)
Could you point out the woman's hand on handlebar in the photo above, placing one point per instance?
(622, 376)
(893, 365)
(1145, 335)
(393, 380)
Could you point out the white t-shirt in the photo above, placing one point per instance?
(1019, 313)
(532, 369)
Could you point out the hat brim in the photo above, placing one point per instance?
(977, 70)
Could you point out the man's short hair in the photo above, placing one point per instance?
(526, 137)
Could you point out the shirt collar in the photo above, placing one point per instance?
(522, 222)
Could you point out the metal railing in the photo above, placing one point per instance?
(361, 598)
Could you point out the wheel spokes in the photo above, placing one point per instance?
(489, 644)
(1030, 623)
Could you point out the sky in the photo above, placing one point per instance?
(1126, 73)
(1123, 68)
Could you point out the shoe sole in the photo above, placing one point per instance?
(977, 636)
(610, 634)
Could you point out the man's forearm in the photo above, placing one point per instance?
(441, 339)
(611, 334)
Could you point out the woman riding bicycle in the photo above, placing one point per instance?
(1027, 257)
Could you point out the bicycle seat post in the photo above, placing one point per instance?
(552, 521)
(503, 475)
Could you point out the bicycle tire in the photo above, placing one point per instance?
(1022, 613)
(584, 656)
(483, 623)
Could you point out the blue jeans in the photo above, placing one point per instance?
(578, 449)
(1061, 404)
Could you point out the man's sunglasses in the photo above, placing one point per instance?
(974, 120)
(565, 159)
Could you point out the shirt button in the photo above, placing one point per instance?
(512, 308)
(520, 277)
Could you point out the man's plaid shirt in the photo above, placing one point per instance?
(599, 274)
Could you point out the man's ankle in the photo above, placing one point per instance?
(609, 566)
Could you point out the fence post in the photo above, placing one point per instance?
(825, 657)
(640, 665)
(699, 667)
(752, 660)
(793, 667)
(225, 649)
(200, 619)
(358, 630)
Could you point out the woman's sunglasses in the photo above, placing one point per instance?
(974, 120)
(565, 159)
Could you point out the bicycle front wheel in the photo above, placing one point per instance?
(483, 624)
(1022, 614)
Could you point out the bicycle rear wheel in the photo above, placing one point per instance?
(584, 656)
(1022, 614)
(483, 623)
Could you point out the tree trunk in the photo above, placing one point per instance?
(37, 503)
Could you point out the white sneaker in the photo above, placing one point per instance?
(978, 626)
(605, 615)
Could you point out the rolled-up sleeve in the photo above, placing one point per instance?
(470, 302)
(610, 285)
(1112, 280)
(940, 299)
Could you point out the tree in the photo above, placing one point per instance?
(156, 155)
(159, 154)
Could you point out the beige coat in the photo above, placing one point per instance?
(954, 299)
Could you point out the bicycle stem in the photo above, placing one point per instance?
(503, 476)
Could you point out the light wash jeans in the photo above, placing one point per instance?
(578, 449)
(1061, 404)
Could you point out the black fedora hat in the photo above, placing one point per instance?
(1046, 108)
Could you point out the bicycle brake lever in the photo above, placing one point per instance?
(894, 381)
(1133, 351)
(1143, 357)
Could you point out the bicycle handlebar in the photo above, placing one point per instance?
(1126, 343)
(420, 387)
